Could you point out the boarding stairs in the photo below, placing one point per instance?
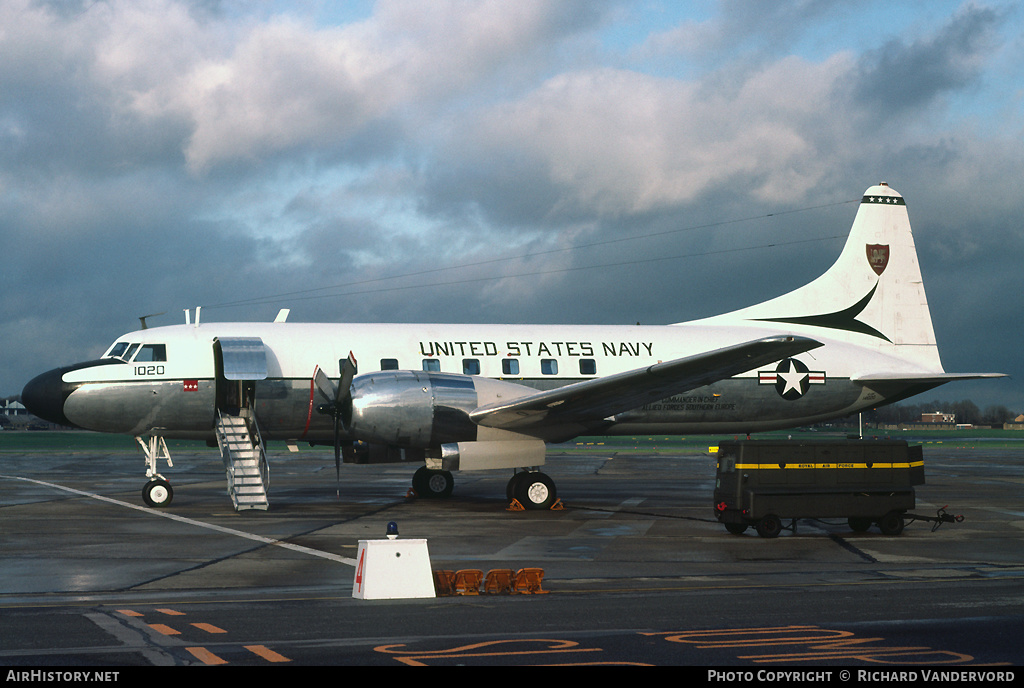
(245, 461)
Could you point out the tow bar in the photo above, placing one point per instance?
(940, 517)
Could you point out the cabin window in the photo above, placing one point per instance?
(431, 365)
(389, 364)
(471, 366)
(588, 366)
(510, 366)
(150, 353)
(548, 366)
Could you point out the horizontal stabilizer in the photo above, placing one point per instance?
(899, 386)
(592, 401)
(933, 379)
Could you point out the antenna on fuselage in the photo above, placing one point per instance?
(142, 319)
(188, 316)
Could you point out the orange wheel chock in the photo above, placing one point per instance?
(467, 581)
(528, 582)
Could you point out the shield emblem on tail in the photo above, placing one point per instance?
(878, 257)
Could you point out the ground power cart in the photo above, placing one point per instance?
(762, 483)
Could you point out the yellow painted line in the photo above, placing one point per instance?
(546, 647)
(128, 612)
(266, 653)
(166, 630)
(171, 612)
(209, 628)
(822, 644)
(205, 656)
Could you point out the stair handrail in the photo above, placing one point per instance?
(225, 454)
(254, 431)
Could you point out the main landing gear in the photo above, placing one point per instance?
(532, 489)
(433, 484)
(157, 492)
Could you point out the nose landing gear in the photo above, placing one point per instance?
(157, 492)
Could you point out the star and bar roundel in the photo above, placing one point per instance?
(791, 378)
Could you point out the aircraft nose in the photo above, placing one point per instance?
(44, 396)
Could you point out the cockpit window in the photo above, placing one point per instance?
(142, 353)
(130, 352)
(117, 351)
(150, 353)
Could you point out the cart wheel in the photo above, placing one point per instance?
(891, 523)
(769, 526)
(859, 525)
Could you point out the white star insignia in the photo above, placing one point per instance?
(794, 379)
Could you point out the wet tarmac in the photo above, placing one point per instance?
(636, 570)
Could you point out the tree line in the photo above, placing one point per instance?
(966, 411)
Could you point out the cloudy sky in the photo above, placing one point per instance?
(576, 161)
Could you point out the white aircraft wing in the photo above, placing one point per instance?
(589, 402)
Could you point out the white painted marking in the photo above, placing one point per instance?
(193, 522)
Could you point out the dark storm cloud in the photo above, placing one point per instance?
(907, 75)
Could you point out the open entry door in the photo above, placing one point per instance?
(240, 361)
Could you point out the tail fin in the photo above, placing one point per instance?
(873, 295)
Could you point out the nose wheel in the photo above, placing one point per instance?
(157, 493)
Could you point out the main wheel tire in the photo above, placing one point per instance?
(769, 526)
(736, 528)
(433, 484)
(157, 493)
(535, 490)
(511, 489)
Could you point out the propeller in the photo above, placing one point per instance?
(339, 403)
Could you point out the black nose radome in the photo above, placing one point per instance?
(44, 396)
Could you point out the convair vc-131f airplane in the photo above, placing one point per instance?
(475, 397)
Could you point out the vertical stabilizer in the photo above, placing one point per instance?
(872, 296)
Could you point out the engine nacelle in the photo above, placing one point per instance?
(411, 408)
